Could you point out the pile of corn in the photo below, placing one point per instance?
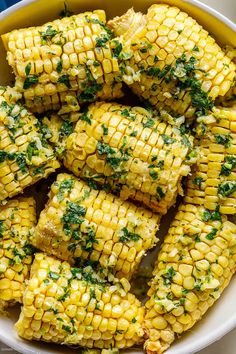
(71, 268)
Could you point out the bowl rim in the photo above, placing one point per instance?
(224, 328)
(197, 3)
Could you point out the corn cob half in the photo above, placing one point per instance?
(65, 62)
(78, 307)
(171, 61)
(130, 152)
(17, 223)
(25, 156)
(195, 264)
(213, 181)
(80, 223)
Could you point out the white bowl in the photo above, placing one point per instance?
(222, 317)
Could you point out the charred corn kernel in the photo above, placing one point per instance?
(174, 306)
(17, 224)
(65, 62)
(130, 152)
(74, 226)
(167, 57)
(213, 181)
(74, 316)
(25, 156)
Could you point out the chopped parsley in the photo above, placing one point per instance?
(112, 159)
(105, 129)
(212, 234)
(168, 139)
(89, 240)
(160, 193)
(21, 162)
(48, 34)
(30, 81)
(102, 41)
(211, 215)
(66, 128)
(134, 133)
(185, 141)
(126, 235)
(64, 79)
(228, 166)
(168, 276)
(53, 275)
(32, 150)
(149, 123)
(65, 187)
(223, 139)
(198, 181)
(195, 48)
(227, 188)
(27, 69)
(59, 66)
(117, 49)
(86, 117)
(153, 174)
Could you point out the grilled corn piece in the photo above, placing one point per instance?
(130, 152)
(229, 100)
(25, 156)
(17, 223)
(65, 62)
(78, 307)
(80, 223)
(195, 264)
(213, 181)
(171, 61)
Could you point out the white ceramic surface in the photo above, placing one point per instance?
(222, 317)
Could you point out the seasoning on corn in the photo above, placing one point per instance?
(78, 307)
(194, 266)
(130, 152)
(213, 181)
(80, 223)
(171, 61)
(17, 222)
(64, 63)
(25, 156)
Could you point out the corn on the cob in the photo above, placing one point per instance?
(80, 223)
(65, 62)
(172, 61)
(131, 152)
(213, 182)
(195, 264)
(17, 222)
(25, 156)
(78, 307)
(229, 100)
